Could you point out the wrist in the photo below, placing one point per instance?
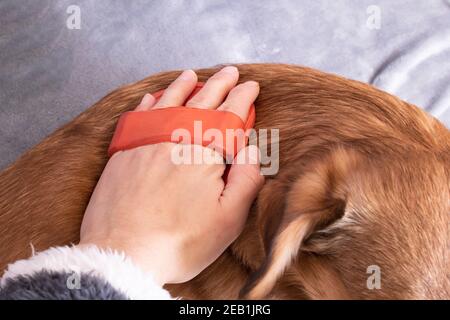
(158, 258)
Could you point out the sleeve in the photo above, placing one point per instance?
(78, 273)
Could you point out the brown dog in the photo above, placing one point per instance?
(360, 207)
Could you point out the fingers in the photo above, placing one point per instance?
(220, 86)
(241, 98)
(178, 91)
(243, 183)
(147, 102)
(215, 89)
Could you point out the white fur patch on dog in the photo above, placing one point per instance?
(114, 267)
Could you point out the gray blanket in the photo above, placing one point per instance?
(54, 65)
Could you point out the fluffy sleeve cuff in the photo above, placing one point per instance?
(78, 273)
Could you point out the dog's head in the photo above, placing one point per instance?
(357, 226)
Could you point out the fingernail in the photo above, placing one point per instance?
(187, 75)
(229, 69)
(146, 99)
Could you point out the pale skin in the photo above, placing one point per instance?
(173, 220)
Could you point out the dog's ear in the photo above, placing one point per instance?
(314, 200)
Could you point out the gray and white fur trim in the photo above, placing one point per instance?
(107, 274)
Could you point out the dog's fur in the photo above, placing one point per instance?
(364, 181)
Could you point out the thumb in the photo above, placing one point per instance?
(243, 182)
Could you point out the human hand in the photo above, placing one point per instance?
(173, 220)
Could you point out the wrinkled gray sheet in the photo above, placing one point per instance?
(49, 73)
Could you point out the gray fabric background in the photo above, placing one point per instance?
(49, 73)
